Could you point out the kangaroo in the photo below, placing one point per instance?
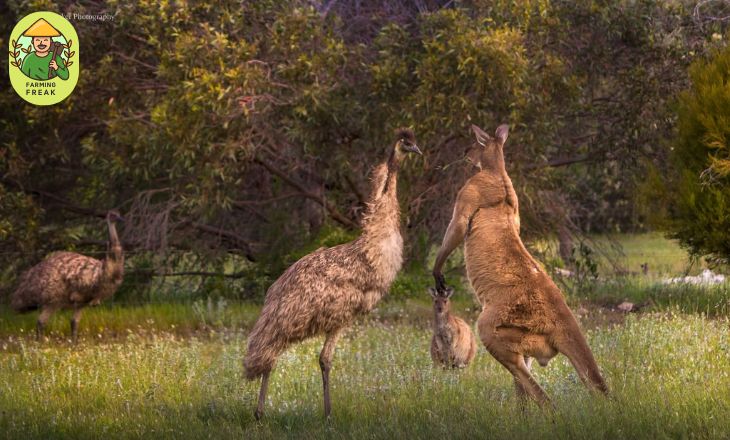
(453, 344)
(524, 314)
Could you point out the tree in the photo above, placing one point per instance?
(696, 191)
(248, 129)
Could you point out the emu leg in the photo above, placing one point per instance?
(325, 363)
(75, 325)
(43, 317)
(262, 396)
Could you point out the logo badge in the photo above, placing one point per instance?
(44, 60)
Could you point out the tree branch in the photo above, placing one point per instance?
(228, 235)
(196, 273)
(67, 205)
(560, 162)
(305, 192)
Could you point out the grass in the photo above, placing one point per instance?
(114, 321)
(664, 256)
(711, 300)
(658, 367)
(628, 252)
(173, 370)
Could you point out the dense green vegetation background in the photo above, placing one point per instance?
(236, 136)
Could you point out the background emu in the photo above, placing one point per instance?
(325, 290)
(524, 313)
(70, 280)
(453, 344)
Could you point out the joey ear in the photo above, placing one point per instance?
(502, 133)
(481, 135)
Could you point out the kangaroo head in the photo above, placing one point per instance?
(441, 302)
(486, 153)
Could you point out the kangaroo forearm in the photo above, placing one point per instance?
(453, 238)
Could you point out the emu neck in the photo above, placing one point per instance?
(114, 247)
(381, 241)
(383, 215)
(393, 164)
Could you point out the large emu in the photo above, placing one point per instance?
(324, 291)
(67, 280)
(524, 314)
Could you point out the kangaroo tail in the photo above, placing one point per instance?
(580, 355)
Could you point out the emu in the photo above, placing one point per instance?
(453, 344)
(323, 292)
(67, 280)
(524, 314)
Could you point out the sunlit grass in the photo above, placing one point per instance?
(627, 252)
(664, 256)
(711, 300)
(669, 375)
(118, 320)
(173, 370)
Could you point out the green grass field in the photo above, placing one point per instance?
(669, 375)
(173, 370)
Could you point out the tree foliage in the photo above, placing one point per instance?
(246, 127)
(696, 191)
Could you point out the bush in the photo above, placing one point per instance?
(697, 194)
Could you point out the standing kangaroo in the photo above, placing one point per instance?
(452, 344)
(524, 313)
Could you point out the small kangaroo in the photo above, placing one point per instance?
(453, 344)
(524, 313)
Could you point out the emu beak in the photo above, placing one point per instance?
(413, 149)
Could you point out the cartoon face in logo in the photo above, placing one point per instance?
(46, 61)
(42, 50)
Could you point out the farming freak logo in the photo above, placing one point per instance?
(44, 60)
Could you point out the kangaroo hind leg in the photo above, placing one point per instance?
(502, 342)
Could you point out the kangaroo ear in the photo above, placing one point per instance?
(449, 291)
(502, 133)
(482, 136)
(434, 293)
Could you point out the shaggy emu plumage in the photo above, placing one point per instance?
(66, 280)
(324, 291)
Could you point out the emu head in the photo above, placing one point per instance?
(441, 303)
(405, 143)
(487, 152)
(113, 216)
